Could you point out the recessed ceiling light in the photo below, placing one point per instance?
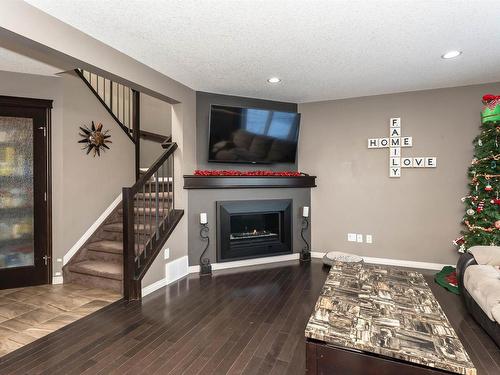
(274, 80)
(451, 54)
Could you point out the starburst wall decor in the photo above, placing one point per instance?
(94, 138)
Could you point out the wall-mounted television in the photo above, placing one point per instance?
(252, 135)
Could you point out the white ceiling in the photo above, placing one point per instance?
(14, 62)
(321, 49)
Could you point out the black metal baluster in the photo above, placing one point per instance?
(144, 239)
(137, 235)
(149, 215)
(111, 85)
(163, 194)
(157, 188)
(173, 183)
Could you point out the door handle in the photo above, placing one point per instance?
(46, 259)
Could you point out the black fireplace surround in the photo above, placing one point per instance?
(253, 229)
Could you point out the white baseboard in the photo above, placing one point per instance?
(57, 279)
(393, 262)
(174, 271)
(248, 262)
(74, 249)
(152, 287)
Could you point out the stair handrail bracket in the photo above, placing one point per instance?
(149, 217)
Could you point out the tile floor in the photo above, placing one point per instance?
(26, 314)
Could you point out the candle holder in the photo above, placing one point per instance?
(205, 266)
(305, 254)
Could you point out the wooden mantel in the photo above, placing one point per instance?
(248, 182)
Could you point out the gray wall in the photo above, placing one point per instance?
(203, 102)
(205, 200)
(82, 186)
(415, 217)
(156, 117)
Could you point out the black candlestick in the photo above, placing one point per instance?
(305, 254)
(205, 266)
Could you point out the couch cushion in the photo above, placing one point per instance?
(486, 254)
(483, 284)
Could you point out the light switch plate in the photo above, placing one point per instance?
(167, 253)
(359, 238)
(369, 238)
(351, 237)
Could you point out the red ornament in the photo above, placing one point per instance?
(488, 188)
(480, 207)
(247, 173)
(495, 201)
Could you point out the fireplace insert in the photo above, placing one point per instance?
(253, 229)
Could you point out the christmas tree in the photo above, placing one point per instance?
(482, 205)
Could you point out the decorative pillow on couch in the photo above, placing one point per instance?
(486, 254)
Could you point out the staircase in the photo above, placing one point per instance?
(121, 250)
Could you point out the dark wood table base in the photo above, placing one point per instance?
(324, 359)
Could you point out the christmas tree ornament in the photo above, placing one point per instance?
(497, 224)
(495, 201)
(488, 188)
(470, 212)
(480, 207)
(491, 109)
(459, 241)
(480, 143)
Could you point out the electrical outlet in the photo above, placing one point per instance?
(166, 255)
(351, 237)
(369, 238)
(359, 238)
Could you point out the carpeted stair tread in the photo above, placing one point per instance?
(97, 268)
(147, 210)
(118, 227)
(106, 246)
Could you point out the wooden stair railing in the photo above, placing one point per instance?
(149, 214)
(149, 217)
(123, 105)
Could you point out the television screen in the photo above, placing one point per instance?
(250, 135)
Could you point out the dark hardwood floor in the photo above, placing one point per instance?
(244, 321)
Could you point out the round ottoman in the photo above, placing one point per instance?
(337, 256)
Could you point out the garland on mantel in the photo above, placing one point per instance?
(199, 172)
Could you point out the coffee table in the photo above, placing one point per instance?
(372, 319)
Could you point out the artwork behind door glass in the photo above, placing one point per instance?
(16, 192)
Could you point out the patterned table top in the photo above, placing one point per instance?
(387, 311)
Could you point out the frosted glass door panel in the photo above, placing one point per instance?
(16, 192)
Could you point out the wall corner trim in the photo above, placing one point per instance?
(74, 249)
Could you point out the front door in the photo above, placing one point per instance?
(24, 206)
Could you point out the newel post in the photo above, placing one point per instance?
(131, 287)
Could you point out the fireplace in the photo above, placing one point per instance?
(253, 229)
